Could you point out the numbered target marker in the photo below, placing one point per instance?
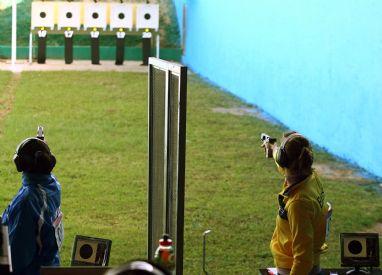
(90, 251)
(147, 16)
(69, 15)
(359, 249)
(95, 15)
(121, 16)
(43, 15)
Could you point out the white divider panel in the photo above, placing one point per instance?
(95, 15)
(43, 15)
(147, 16)
(121, 16)
(69, 15)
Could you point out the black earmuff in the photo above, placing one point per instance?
(20, 161)
(33, 155)
(281, 157)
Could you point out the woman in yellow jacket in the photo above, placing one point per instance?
(299, 236)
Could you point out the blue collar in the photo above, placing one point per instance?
(35, 179)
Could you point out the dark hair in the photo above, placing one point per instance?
(299, 152)
(139, 267)
(33, 155)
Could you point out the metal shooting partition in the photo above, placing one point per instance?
(167, 151)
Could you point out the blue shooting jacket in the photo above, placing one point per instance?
(34, 224)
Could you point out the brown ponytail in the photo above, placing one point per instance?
(305, 160)
(300, 154)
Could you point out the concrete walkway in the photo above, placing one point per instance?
(77, 65)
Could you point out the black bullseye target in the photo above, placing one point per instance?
(355, 247)
(86, 251)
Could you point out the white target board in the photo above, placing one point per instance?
(42, 15)
(69, 15)
(147, 16)
(95, 15)
(121, 16)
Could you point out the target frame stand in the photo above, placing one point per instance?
(120, 47)
(41, 52)
(94, 42)
(42, 19)
(69, 19)
(148, 20)
(121, 23)
(121, 19)
(95, 19)
(146, 47)
(68, 46)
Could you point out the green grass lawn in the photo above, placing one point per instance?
(96, 125)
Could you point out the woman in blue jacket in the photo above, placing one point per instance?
(34, 218)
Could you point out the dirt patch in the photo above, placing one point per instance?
(246, 111)
(339, 171)
(7, 98)
(342, 171)
(377, 228)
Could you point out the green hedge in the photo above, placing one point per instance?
(83, 53)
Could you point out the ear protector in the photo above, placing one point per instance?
(33, 155)
(139, 267)
(281, 157)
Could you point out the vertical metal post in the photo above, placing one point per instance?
(181, 168)
(167, 116)
(157, 46)
(205, 233)
(30, 47)
(14, 33)
(150, 240)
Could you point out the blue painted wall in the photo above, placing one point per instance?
(315, 65)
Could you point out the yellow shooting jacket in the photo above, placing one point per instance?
(299, 236)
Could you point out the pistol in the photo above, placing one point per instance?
(267, 139)
(40, 133)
